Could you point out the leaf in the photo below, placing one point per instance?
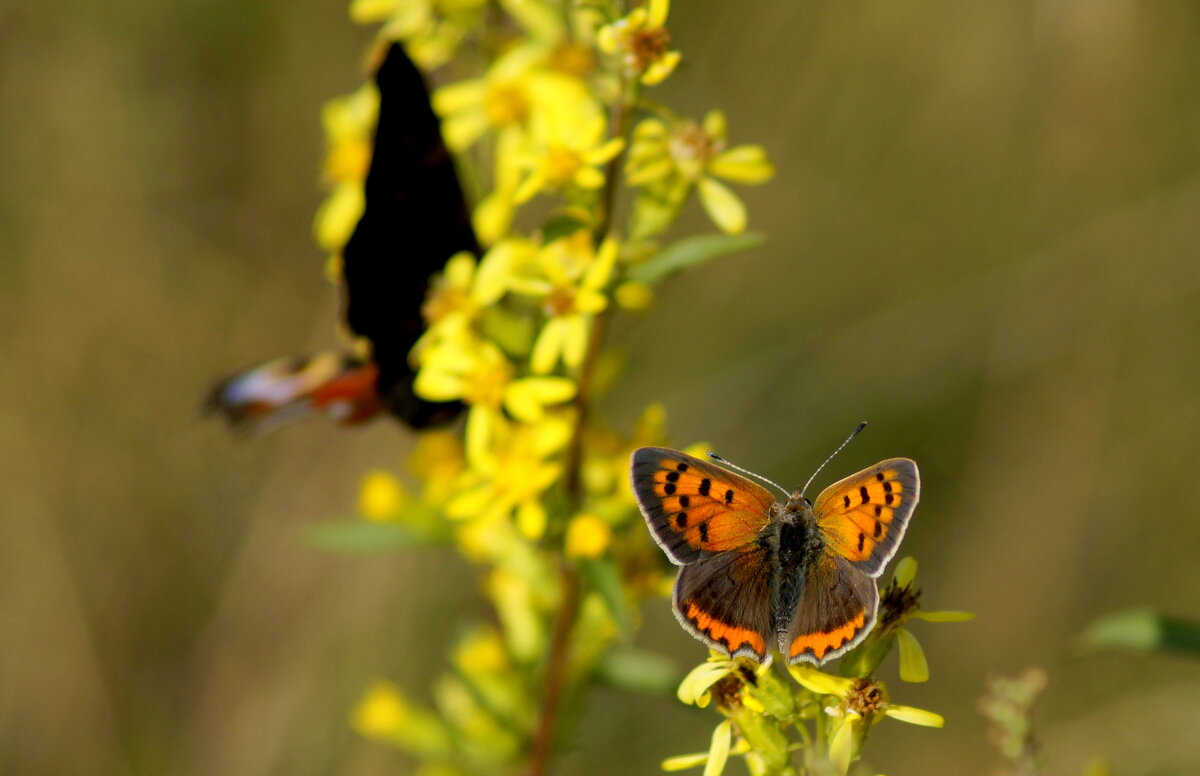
(1144, 630)
(364, 537)
(602, 576)
(691, 252)
(561, 225)
(640, 670)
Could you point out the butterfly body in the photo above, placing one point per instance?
(759, 575)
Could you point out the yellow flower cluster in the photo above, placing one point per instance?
(550, 128)
(834, 713)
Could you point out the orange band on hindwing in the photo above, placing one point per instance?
(731, 637)
(823, 642)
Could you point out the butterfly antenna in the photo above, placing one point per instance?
(723, 462)
(853, 434)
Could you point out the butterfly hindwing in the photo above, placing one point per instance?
(863, 517)
(831, 609)
(725, 601)
(694, 507)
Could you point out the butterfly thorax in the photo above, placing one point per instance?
(797, 544)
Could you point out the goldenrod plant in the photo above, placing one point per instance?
(577, 173)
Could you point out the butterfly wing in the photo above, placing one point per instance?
(833, 607)
(725, 601)
(695, 508)
(863, 517)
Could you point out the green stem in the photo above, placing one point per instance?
(564, 619)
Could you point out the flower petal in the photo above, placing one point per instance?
(644, 173)
(458, 96)
(548, 390)
(575, 340)
(718, 750)
(841, 748)
(634, 295)
(913, 665)
(819, 681)
(461, 130)
(531, 519)
(658, 72)
(548, 347)
(722, 205)
(915, 716)
(684, 762)
(906, 571)
(657, 15)
(700, 678)
(588, 178)
(603, 153)
(715, 124)
(742, 164)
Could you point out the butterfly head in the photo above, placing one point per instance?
(798, 501)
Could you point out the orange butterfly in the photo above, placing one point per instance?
(758, 573)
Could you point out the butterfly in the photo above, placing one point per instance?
(414, 218)
(758, 574)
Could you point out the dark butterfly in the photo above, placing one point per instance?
(415, 219)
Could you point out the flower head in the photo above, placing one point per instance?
(568, 278)
(643, 43)
(899, 602)
(478, 373)
(674, 157)
(566, 151)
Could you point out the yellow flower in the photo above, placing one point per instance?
(511, 474)
(432, 29)
(567, 34)
(349, 122)
(381, 496)
(695, 687)
(860, 704)
(587, 537)
(515, 91)
(459, 295)
(643, 42)
(569, 278)
(385, 713)
(477, 372)
(567, 149)
(686, 154)
(505, 98)
(381, 711)
(899, 602)
(437, 460)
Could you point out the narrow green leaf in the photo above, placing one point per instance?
(692, 251)
(640, 670)
(363, 537)
(1144, 630)
(561, 225)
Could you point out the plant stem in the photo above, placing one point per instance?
(564, 619)
(556, 669)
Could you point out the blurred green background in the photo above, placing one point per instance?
(983, 239)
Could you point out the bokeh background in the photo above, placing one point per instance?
(983, 239)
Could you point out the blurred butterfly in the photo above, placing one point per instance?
(415, 218)
(759, 574)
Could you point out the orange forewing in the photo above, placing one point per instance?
(694, 507)
(863, 517)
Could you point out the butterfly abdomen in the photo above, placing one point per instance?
(799, 546)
